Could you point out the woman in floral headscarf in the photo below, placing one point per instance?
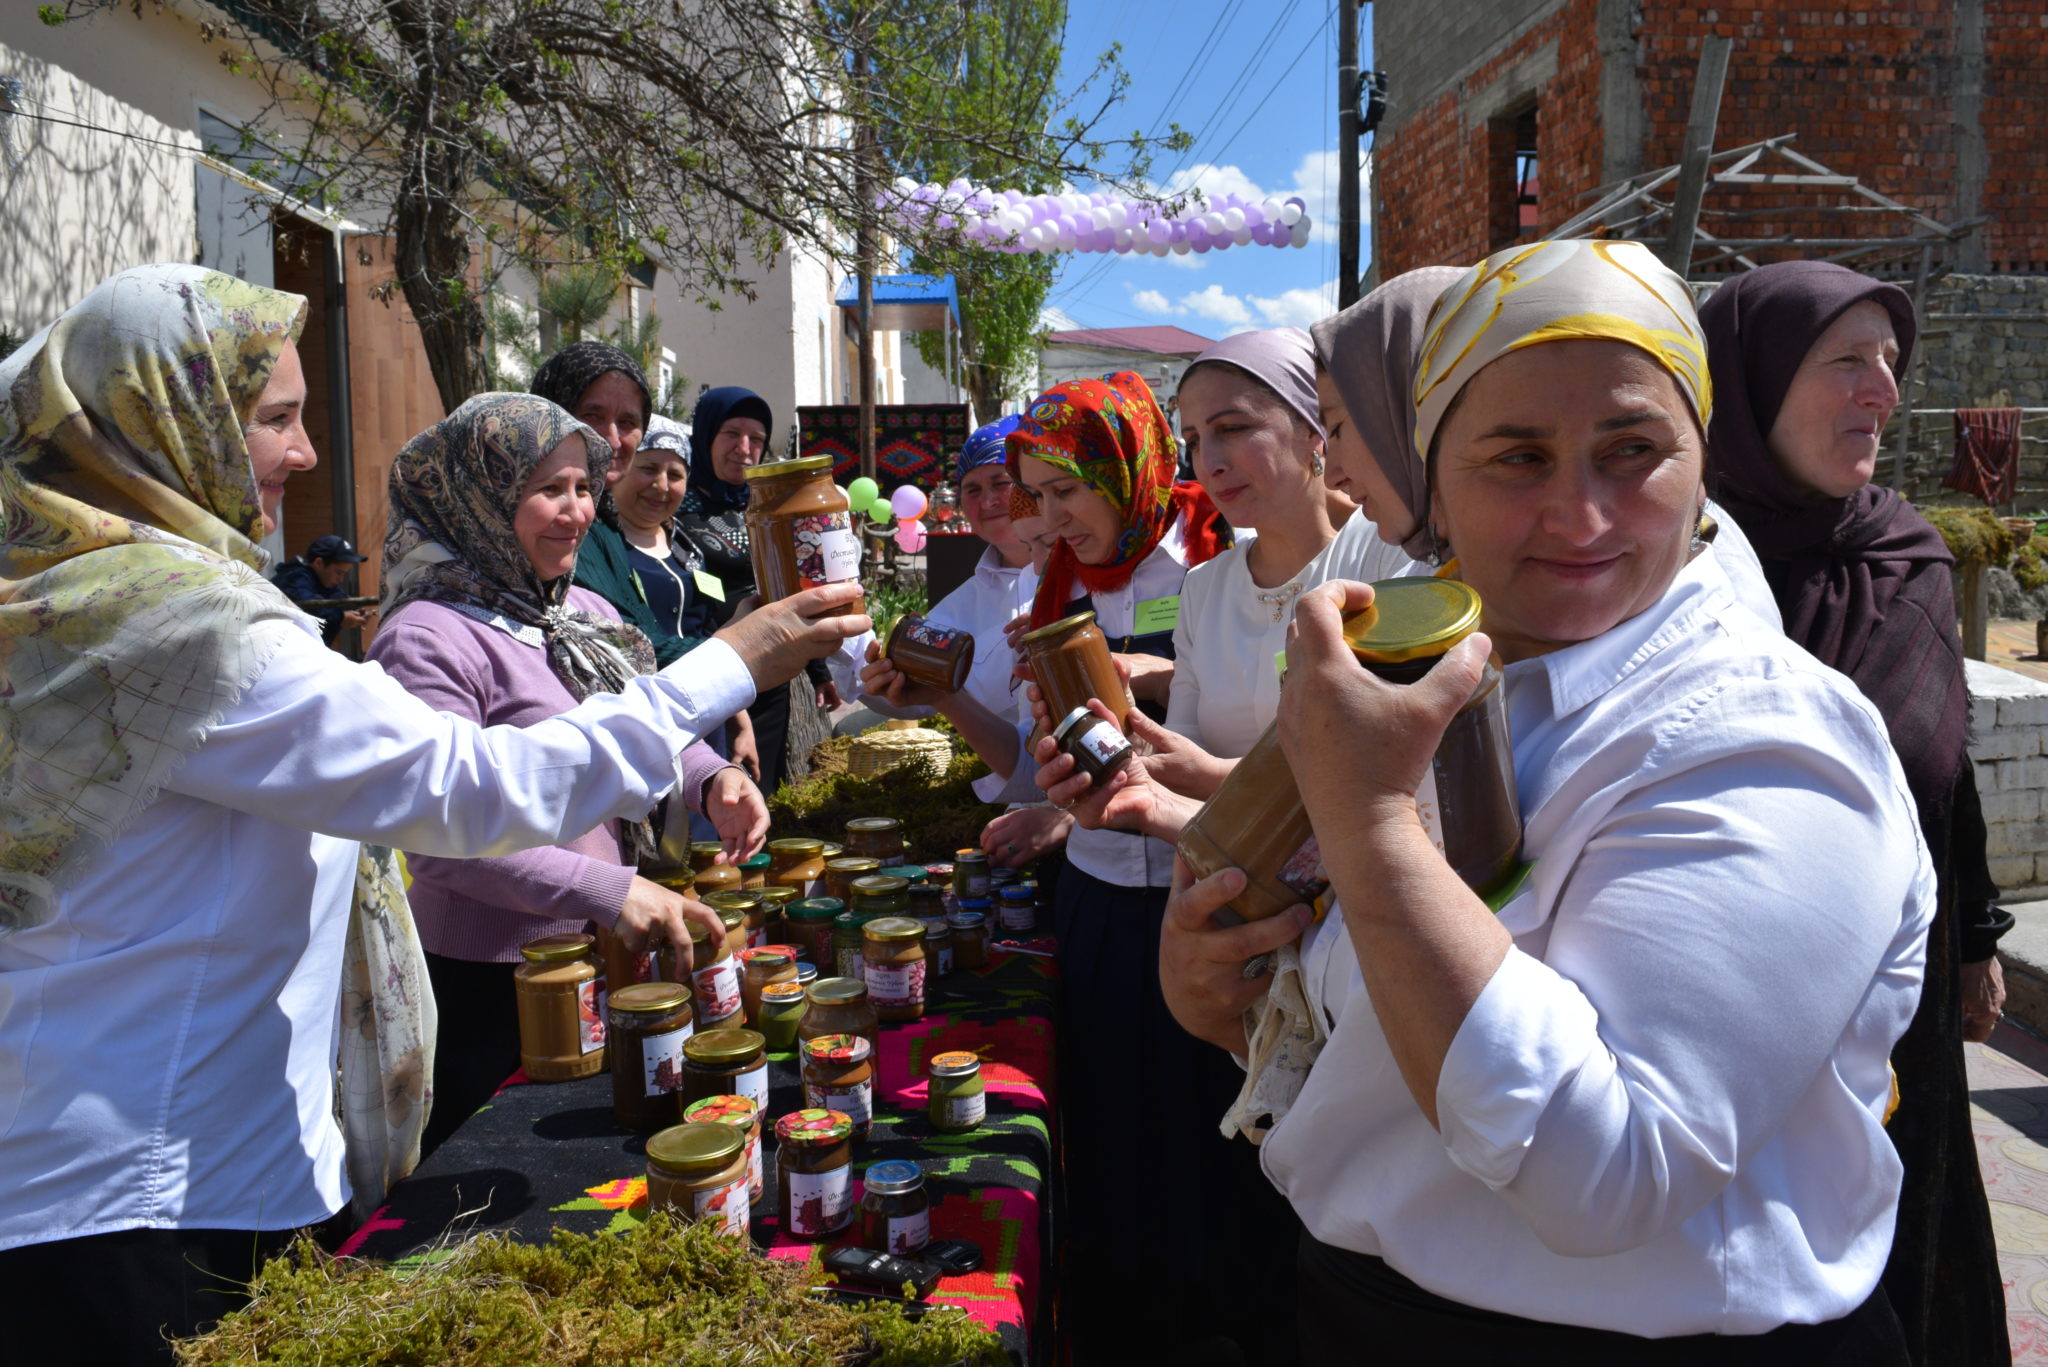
(1635, 1115)
(185, 774)
(488, 510)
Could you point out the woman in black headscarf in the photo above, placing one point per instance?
(729, 431)
(1805, 356)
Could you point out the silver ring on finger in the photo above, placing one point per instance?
(1258, 966)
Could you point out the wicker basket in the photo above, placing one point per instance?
(876, 752)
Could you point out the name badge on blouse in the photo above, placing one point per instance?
(708, 585)
(1155, 615)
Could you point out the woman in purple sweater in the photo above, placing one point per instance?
(488, 508)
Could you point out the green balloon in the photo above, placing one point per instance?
(880, 510)
(862, 492)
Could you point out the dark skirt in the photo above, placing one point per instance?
(770, 714)
(1170, 1230)
(476, 1045)
(1355, 1308)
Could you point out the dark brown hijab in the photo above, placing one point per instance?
(1864, 582)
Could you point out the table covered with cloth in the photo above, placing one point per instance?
(546, 1156)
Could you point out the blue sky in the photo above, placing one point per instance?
(1272, 132)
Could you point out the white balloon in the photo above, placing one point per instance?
(1119, 216)
(1242, 236)
(1233, 219)
(1269, 208)
(1290, 213)
(1300, 232)
(1099, 217)
(1182, 247)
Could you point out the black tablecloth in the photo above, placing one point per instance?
(542, 1157)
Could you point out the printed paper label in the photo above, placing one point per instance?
(856, 1103)
(946, 959)
(927, 633)
(661, 1060)
(1019, 918)
(590, 1014)
(1156, 615)
(753, 1085)
(896, 984)
(847, 963)
(757, 935)
(964, 1112)
(1102, 741)
(827, 551)
(1304, 872)
(708, 585)
(909, 1233)
(819, 1202)
(754, 1178)
(718, 990)
(728, 1205)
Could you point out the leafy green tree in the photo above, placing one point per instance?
(707, 134)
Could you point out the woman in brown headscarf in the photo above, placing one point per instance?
(1805, 356)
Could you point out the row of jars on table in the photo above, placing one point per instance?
(818, 974)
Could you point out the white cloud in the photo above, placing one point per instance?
(1314, 179)
(1152, 301)
(1185, 261)
(1298, 307)
(1219, 305)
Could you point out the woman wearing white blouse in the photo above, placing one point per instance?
(1637, 1116)
(187, 775)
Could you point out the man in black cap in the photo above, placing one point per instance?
(317, 576)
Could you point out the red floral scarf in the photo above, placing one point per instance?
(1110, 435)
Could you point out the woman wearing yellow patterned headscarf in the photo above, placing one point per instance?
(1635, 1115)
(186, 773)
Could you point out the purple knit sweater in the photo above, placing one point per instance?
(483, 910)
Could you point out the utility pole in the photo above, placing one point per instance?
(1348, 149)
(864, 247)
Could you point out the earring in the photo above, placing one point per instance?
(1702, 528)
(1438, 547)
(1315, 464)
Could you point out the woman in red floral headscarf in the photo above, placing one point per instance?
(1099, 459)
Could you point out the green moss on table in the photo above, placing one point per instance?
(1974, 536)
(939, 809)
(666, 1293)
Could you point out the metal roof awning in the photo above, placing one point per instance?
(907, 303)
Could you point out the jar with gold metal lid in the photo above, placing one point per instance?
(743, 915)
(799, 531)
(714, 981)
(650, 1023)
(971, 875)
(875, 837)
(840, 874)
(927, 653)
(775, 904)
(711, 873)
(879, 895)
(561, 1025)
(895, 967)
(716, 1062)
(839, 1075)
(698, 1172)
(759, 967)
(814, 1173)
(742, 1115)
(1256, 822)
(1071, 662)
(839, 1006)
(796, 862)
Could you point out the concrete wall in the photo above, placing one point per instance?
(2009, 716)
(1065, 362)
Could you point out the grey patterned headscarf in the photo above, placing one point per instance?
(454, 491)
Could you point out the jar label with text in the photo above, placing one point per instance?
(826, 550)
(718, 990)
(753, 1085)
(909, 1233)
(856, 1103)
(946, 960)
(590, 1014)
(928, 633)
(1102, 741)
(661, 1060)
(754, 1178)
(893, 985)
(1019, 916)
(727, 1205)
(820, 1202)
(757, 936)
(847, 963)
(963, 1112)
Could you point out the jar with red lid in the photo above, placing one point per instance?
(760, 967)
(741, 1114)
(814, 1173)
(839, 1075)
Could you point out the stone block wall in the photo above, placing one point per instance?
(1984, 342)
(2009, 721)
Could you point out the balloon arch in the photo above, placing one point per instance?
(1012, 221)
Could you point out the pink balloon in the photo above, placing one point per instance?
(908, 502)
(910, 536)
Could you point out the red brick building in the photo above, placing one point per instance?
(1503, 115)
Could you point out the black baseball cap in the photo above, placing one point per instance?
(332, 547)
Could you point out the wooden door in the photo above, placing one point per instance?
(392, 397)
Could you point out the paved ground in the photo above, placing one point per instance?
(2009, 1094)
(2010, 645)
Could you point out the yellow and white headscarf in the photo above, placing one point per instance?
(1577, 290)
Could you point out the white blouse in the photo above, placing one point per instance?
(1663, 1114)
(1226, 675)
(168, 1038)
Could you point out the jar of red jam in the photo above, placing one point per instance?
(814, 1173)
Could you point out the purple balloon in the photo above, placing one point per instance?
(1158, 231)
(1198, 237)
(1200, 244)
(1262, 234)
